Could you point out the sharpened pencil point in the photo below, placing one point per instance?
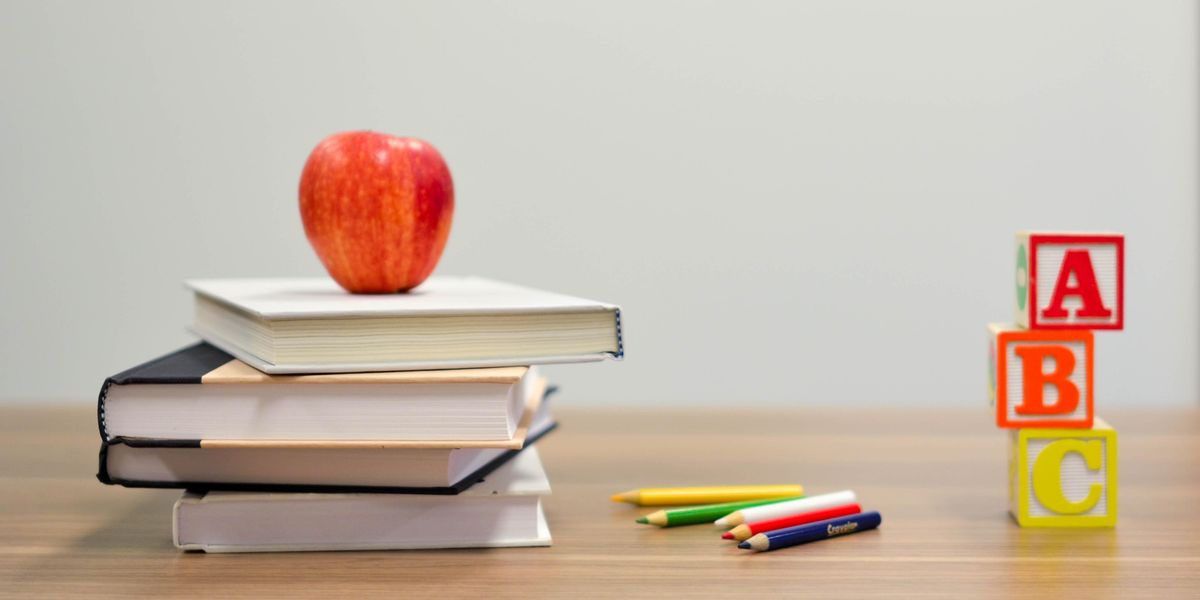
(630, 496)
(643, 520)
(728, 535)
(740, 532)
(744, 545)
(720, 522)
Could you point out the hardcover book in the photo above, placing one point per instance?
(504, 510)
(202, 396)
(313, 326)
(313, 467)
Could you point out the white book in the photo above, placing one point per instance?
(313, 326)
(504, 510)
(320, 468)
(202, 394)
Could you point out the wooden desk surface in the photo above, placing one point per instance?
(937, 478)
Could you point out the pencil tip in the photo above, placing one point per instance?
(727, 535)
(744, 545)
(643, 520)
(630, 496)
(719, 522)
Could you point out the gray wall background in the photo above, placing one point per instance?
(796, 202)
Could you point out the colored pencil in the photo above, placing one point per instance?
(702, 514)
(801, 534)
(706, 495)
(746, 530)
(783, 509)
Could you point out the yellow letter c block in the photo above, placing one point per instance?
(1063, 477)
(1047, 475)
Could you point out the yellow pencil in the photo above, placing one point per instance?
(705, 495)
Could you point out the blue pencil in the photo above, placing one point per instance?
(811, 532)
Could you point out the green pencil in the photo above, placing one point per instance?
(703, 514)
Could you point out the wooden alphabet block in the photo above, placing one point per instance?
(1041, 378)
(1063, 477)
(1070, 280)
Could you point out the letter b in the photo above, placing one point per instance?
(1033, 359)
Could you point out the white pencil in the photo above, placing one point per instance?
(783, 509)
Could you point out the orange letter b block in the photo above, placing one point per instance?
(1041, 378)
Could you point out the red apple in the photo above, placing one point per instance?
(377, 209)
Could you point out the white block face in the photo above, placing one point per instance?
(1049, 264)
(1014, 477)
(1015, 380)
(1077, 479)
(992, 366)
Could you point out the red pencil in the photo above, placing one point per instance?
(745, 530)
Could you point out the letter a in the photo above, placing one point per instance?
(1078, 262)
(1032, 359)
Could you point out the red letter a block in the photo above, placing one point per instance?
(1042, 378)
(1071, 280)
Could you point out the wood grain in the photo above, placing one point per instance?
(938, 477)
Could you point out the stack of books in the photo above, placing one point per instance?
(313, 419)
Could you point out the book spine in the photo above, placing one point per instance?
(100, 410)
(620, 338)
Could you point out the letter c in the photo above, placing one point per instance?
(1047, 475)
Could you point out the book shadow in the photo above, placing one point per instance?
(138, 537)
(143, 526)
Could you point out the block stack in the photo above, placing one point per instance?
(1062, 458)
